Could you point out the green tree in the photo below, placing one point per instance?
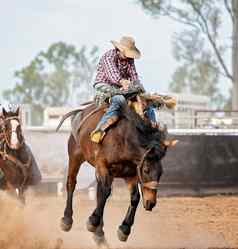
(48, 79)
(198, 72)
(82, 75)
(206, 17)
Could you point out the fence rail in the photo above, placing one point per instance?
(196, 119)
(202, 119)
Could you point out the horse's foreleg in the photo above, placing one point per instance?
(98, 235)
(125, 228)
(67, 220)
(95, 221)
(103, 192)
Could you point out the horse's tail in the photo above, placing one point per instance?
(74, 112)
(67, 115)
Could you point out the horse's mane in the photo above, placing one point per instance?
(148, 134)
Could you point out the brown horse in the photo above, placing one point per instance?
(131, 150)
(16, 160)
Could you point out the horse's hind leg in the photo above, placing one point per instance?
(75, 160)
(124, 229)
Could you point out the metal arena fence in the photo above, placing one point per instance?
(200, 119)
(202, 159)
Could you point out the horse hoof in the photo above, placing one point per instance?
(100, 241)
(121, 236)
(66, 225)
(91, 227)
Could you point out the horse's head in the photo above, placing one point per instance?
(11, 127)
(149, 172)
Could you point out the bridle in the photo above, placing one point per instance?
(5, 132)
(4, 143)
(153, 185)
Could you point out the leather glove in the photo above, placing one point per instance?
(125, 84)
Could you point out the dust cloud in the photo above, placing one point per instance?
(22, 228)
(175, 223)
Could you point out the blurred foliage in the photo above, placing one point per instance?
(197, 70)
(48, 79)
(203, 20)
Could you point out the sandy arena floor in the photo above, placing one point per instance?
(210, 222)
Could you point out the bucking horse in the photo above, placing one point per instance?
(17, 163)
(132, 149)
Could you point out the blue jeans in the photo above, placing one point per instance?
(117, 102)
(151, 114)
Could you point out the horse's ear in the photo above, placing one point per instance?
(170, 143)
(4, 112)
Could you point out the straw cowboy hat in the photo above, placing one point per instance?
(127, 46)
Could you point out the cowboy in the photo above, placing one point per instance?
(116, 71)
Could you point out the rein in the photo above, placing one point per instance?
(22, 166)
(153, 185)
(6, 156)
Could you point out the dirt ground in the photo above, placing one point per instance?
(182, 222)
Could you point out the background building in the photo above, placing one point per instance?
(184, 114)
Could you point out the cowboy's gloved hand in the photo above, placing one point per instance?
(125, 84)
(137, 84)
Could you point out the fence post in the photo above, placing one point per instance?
(195, 119)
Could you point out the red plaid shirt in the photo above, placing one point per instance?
(111, 69)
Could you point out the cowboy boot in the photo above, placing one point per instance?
(99, 133)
